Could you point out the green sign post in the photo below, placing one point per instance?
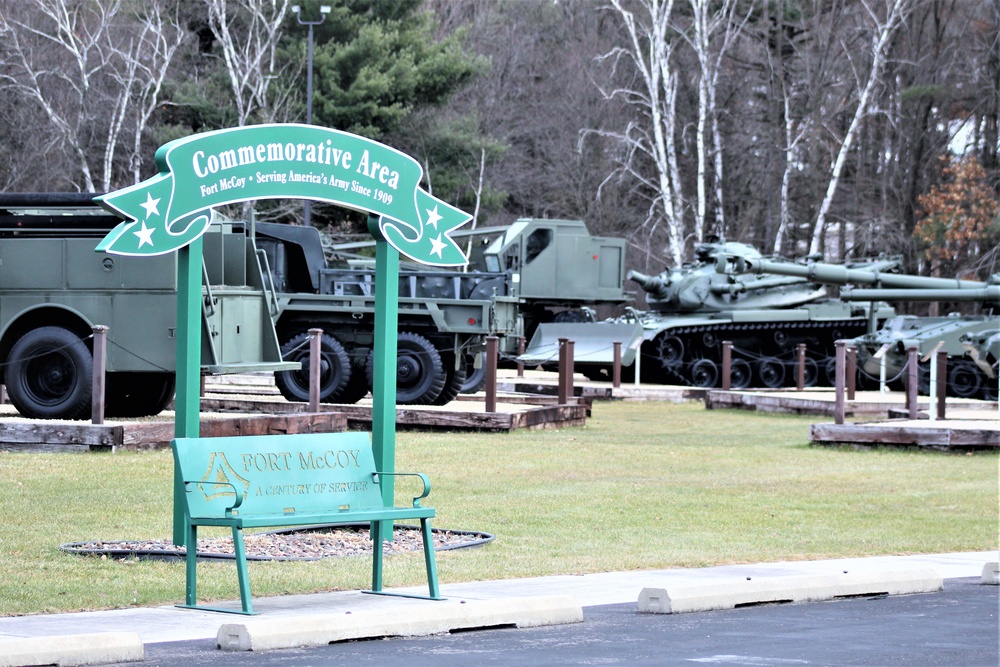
(171, 211)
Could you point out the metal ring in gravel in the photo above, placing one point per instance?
(302, 543)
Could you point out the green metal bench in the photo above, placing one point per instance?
(288, 480)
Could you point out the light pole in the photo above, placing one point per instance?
(323, 10)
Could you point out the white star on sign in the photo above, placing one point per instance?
(145, 234)
(437, 246)
(433, 217)
(151, 206)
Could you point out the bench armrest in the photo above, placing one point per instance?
(236, 492)
(422, 476)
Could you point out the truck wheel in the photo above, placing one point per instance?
(475, 378)
(334, 369)
(454, 379)
(420, 374)
(50, 374)
(356, 389)
(138, 394)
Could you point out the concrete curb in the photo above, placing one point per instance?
(801, 588)
(991, 573)
(262, 634)
(63, 650)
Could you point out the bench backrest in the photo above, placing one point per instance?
(277, 474)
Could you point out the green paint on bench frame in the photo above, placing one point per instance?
(289, 480)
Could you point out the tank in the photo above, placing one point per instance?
(967, 339)
(716, 297)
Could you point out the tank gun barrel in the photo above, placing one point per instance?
(984, 293)
(655, 285)
(874, 274)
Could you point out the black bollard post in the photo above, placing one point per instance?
(520, 351)
(99, 379)
(912, 369)
(838, 407)
(852, 371)
(491, 373)
(616, 369)
(942, 378)
(727, 364)
(314, 368)
(800, 376)
(562, 371)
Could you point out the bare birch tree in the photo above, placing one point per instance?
(651, 46)
(881, 39)
(95, 71)
(248, 32)
(708, 19)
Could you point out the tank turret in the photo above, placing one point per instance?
(700, 287)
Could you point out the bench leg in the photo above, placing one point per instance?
(241, 570)
(429, 561)
(377, 561)
(191, 565)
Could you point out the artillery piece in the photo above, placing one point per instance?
(969, 374)
(694, 308)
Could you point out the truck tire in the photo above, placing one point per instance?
(357, 388)
(138, 394)
(50, 374)
(454, 380)
(335, 369)
(475, 378)
(420, 375)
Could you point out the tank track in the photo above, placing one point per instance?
(764, 354)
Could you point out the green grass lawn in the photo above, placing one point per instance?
(642, 485)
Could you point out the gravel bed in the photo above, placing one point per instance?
(309, 543)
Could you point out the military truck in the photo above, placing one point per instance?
(535, 270)
(443, 320)
(54, 289)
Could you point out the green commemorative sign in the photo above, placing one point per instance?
(286, 161)
(171, 211)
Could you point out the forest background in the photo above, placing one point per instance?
(844, 128)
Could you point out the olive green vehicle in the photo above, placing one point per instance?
(55, 288)
(969, 340)
(694, 308)
(535, 270)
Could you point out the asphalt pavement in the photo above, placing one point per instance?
(957, 624)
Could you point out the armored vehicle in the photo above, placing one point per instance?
(889, 343)
(54, 289)
(695, 307)
(983, 347)
(444, 317)
(967, 339)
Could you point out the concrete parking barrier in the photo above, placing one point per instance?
(690, 597)
(66, 650)
(260, 634)
(991, 573)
